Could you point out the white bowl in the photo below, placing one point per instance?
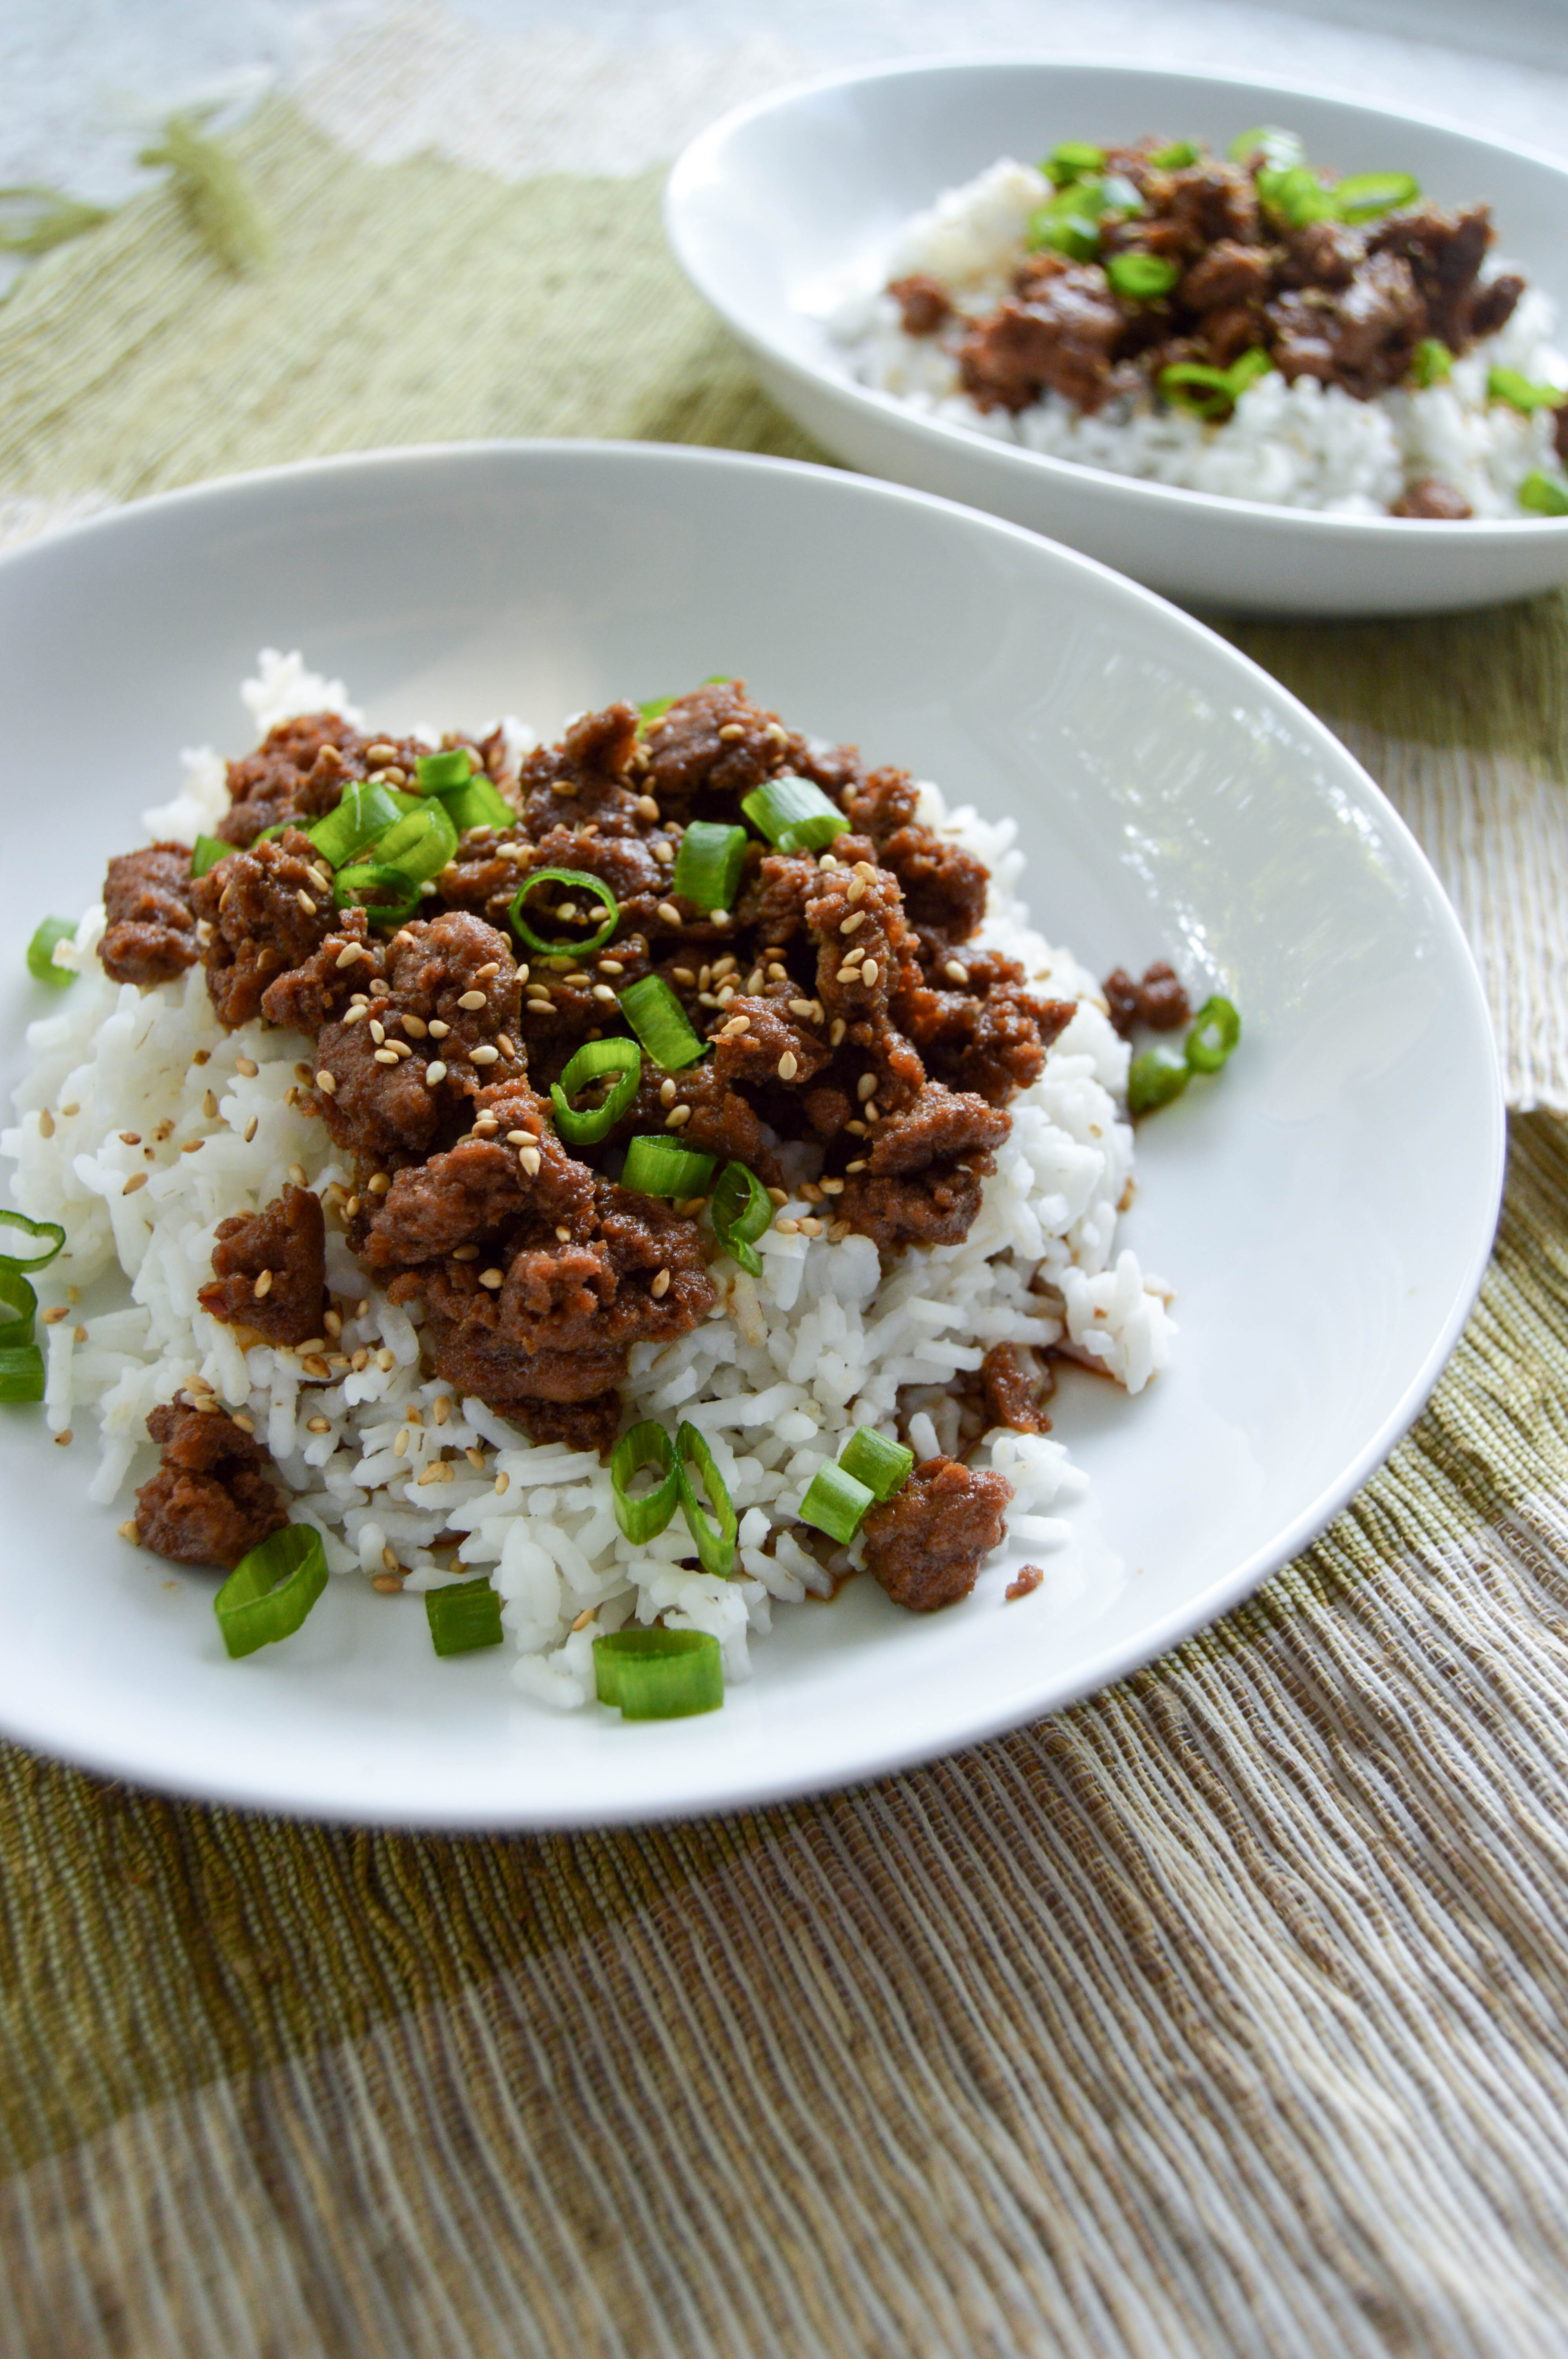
(1323, 1212)
(769, 209)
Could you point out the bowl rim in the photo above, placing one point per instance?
(1107, 1664)
(1023, 465)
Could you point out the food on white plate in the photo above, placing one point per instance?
(613, 1187)
(1248, 324)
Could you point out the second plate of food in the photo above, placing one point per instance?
(554, 1029)
(1262, 349)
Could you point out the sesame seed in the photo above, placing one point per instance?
(776, 730)
(53, 1316)
(778, 1196)
(669, 913)
(318, 1425)
(873, 1111)
(435, 1071)
(859, 1166)
(528, 1156)
(247, 1065)
(442, 1407)
(485, 1125)
(870, 971)
(356, 1016)
(736, 1026)
(645, 807)
(130, 1530)
(200, 1059)
(63, 1440)
(866, 1087)
(306, 904)
(787, 1228)
(502, 1484)
(385, 1360)
(485, 1054)
(719, 916)
(46, 1124)
(661, 1285)
(810, 1226)
(137, 1179)
(856, 917)
(475, 1458)
(519, 1138)
(829, 859)
(194, 1146)
(857, 1129)
(464, 1252)
(416, 1027)
(438, 1030)
(377, 1032)
(666, 1092)
(677, 1117)
(491, 1277)
(602, 991)
(389, 1585)
(483, 973)
(350, 1206)
(325, 1083)
(314, 1364)
(347, 956)
(251, 1128)
(385, 1056)
(954, 972)
(788, 1066)
(472, 999)
(799, 1006)
(390, 1560)
(831, 1187)
(731, 731)
(563, 1236)
(380, 753)
(836, 1031)
(857, 891)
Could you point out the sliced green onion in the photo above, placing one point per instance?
(479, 804)
(647, 1444)
(270, 834)
(271, 1591)
(656, 1165)
(1074, 159)
(1176, 158)
(1119, 195)
(51, 1229)
(1155, 1078)
(655, 708)
(463, 1617)
(713, 1527)
(443, 774)
(835, 1503)
(743, 1210)
(1211, 392)
(1141, 277)
(869, 1457)
(659, 1020)
(384, 893)
(1431, 363)
(1069, 222)
(1545, 494)
(1216, 1029)
(41, 953)
(419, 846)
(18, 1298)
(707, 865)
(580, 881)
(659, 1674)
(1364, 195)
(1279, 149)
(206, 852)
(1296, 196)
(1507, 384)
(365, 812)
(794, 814)
(21, 1372)
(584, 1126)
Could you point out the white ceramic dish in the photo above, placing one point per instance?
(1324, 1212)
(772, 207)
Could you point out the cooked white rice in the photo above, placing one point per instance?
(1305, 445)
(141, 1124)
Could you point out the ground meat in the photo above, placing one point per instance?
(1324, 253)
(1444, 251)
(270, 1269)
(299, 770)
(925, 1544)
(1026, 1581)
(1361, 337)
(1158, 1001)
(511, 1166)
(1431, 497)
(151, 933)
(1229, 274)
(1014, 1394)
(923, 303)
(267, 910)
(920, 1184)
(348, 964)
(588, 779)
(986, 1033)
(209, 1502)
(882, 803)
(944, 885)
(1061, 339)
(711, 748)
(1492, 306)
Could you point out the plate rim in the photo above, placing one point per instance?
(1103, 1667)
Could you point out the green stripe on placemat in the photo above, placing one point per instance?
(1235, 1995)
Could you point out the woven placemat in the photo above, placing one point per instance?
(1224, 2012)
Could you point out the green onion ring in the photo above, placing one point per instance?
(1279, 149)
(794, 814)
(713, 1527)
(1364, 195)
(708, 863)
(656, 1015)
(371, 876)
(21, 1372)
(17, 1297)
(51, 1229)
(883, 1466)
(1177, 157)
(1074, 159)
(40, 953)
(657, 1165)
(1545, 494)
(479, 804)
(592, 1061)
(1216, 1029)
(206, 852)
(580, 881)
(836, 1503)
(743, 1210)
(646, 1444)
(1507, 384)
(1431, 363)
(463, 1617)
(1155, 1078)
(1141, 277)
(443, 774)
(365, 812)
(1296, 196)
(272, 1590)
(420, 845)
(658, 1674)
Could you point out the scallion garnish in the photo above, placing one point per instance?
(658, 1166)
(586, 1126)
(743, 1210)
(1141, 277)
(18, 1298)
(1216, 1029)
(206, 852)
(1296, 196)
(659, 1020)
(657, 706)
(479, 804)
(21, 1372)
(51, 1230)
(835, 1503)
(420, 845)
(883, 1466)
(1074, 159)
(385, 894)
(1176, 158)
(1545, 494)
(645, 1517)
(659, 1674)
(1068, 223)
(1211, 392)
(708, 863)
(713, 1527)
(41, 953)
(443, 774)
(1431, 363)
(1155, 1078)
(463, 1617)
(1507, 384)
(1279, 149)
(794, 814)
(1364, 195)
(580, 881)
(272, 1590)
(21, 1361)
(366, 812)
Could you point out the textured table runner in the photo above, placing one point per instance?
(1227, 2012)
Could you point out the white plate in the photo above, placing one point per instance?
(769, 209)
(1324, 1212)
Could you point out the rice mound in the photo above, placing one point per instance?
(1305, 445)
(141, 1123)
